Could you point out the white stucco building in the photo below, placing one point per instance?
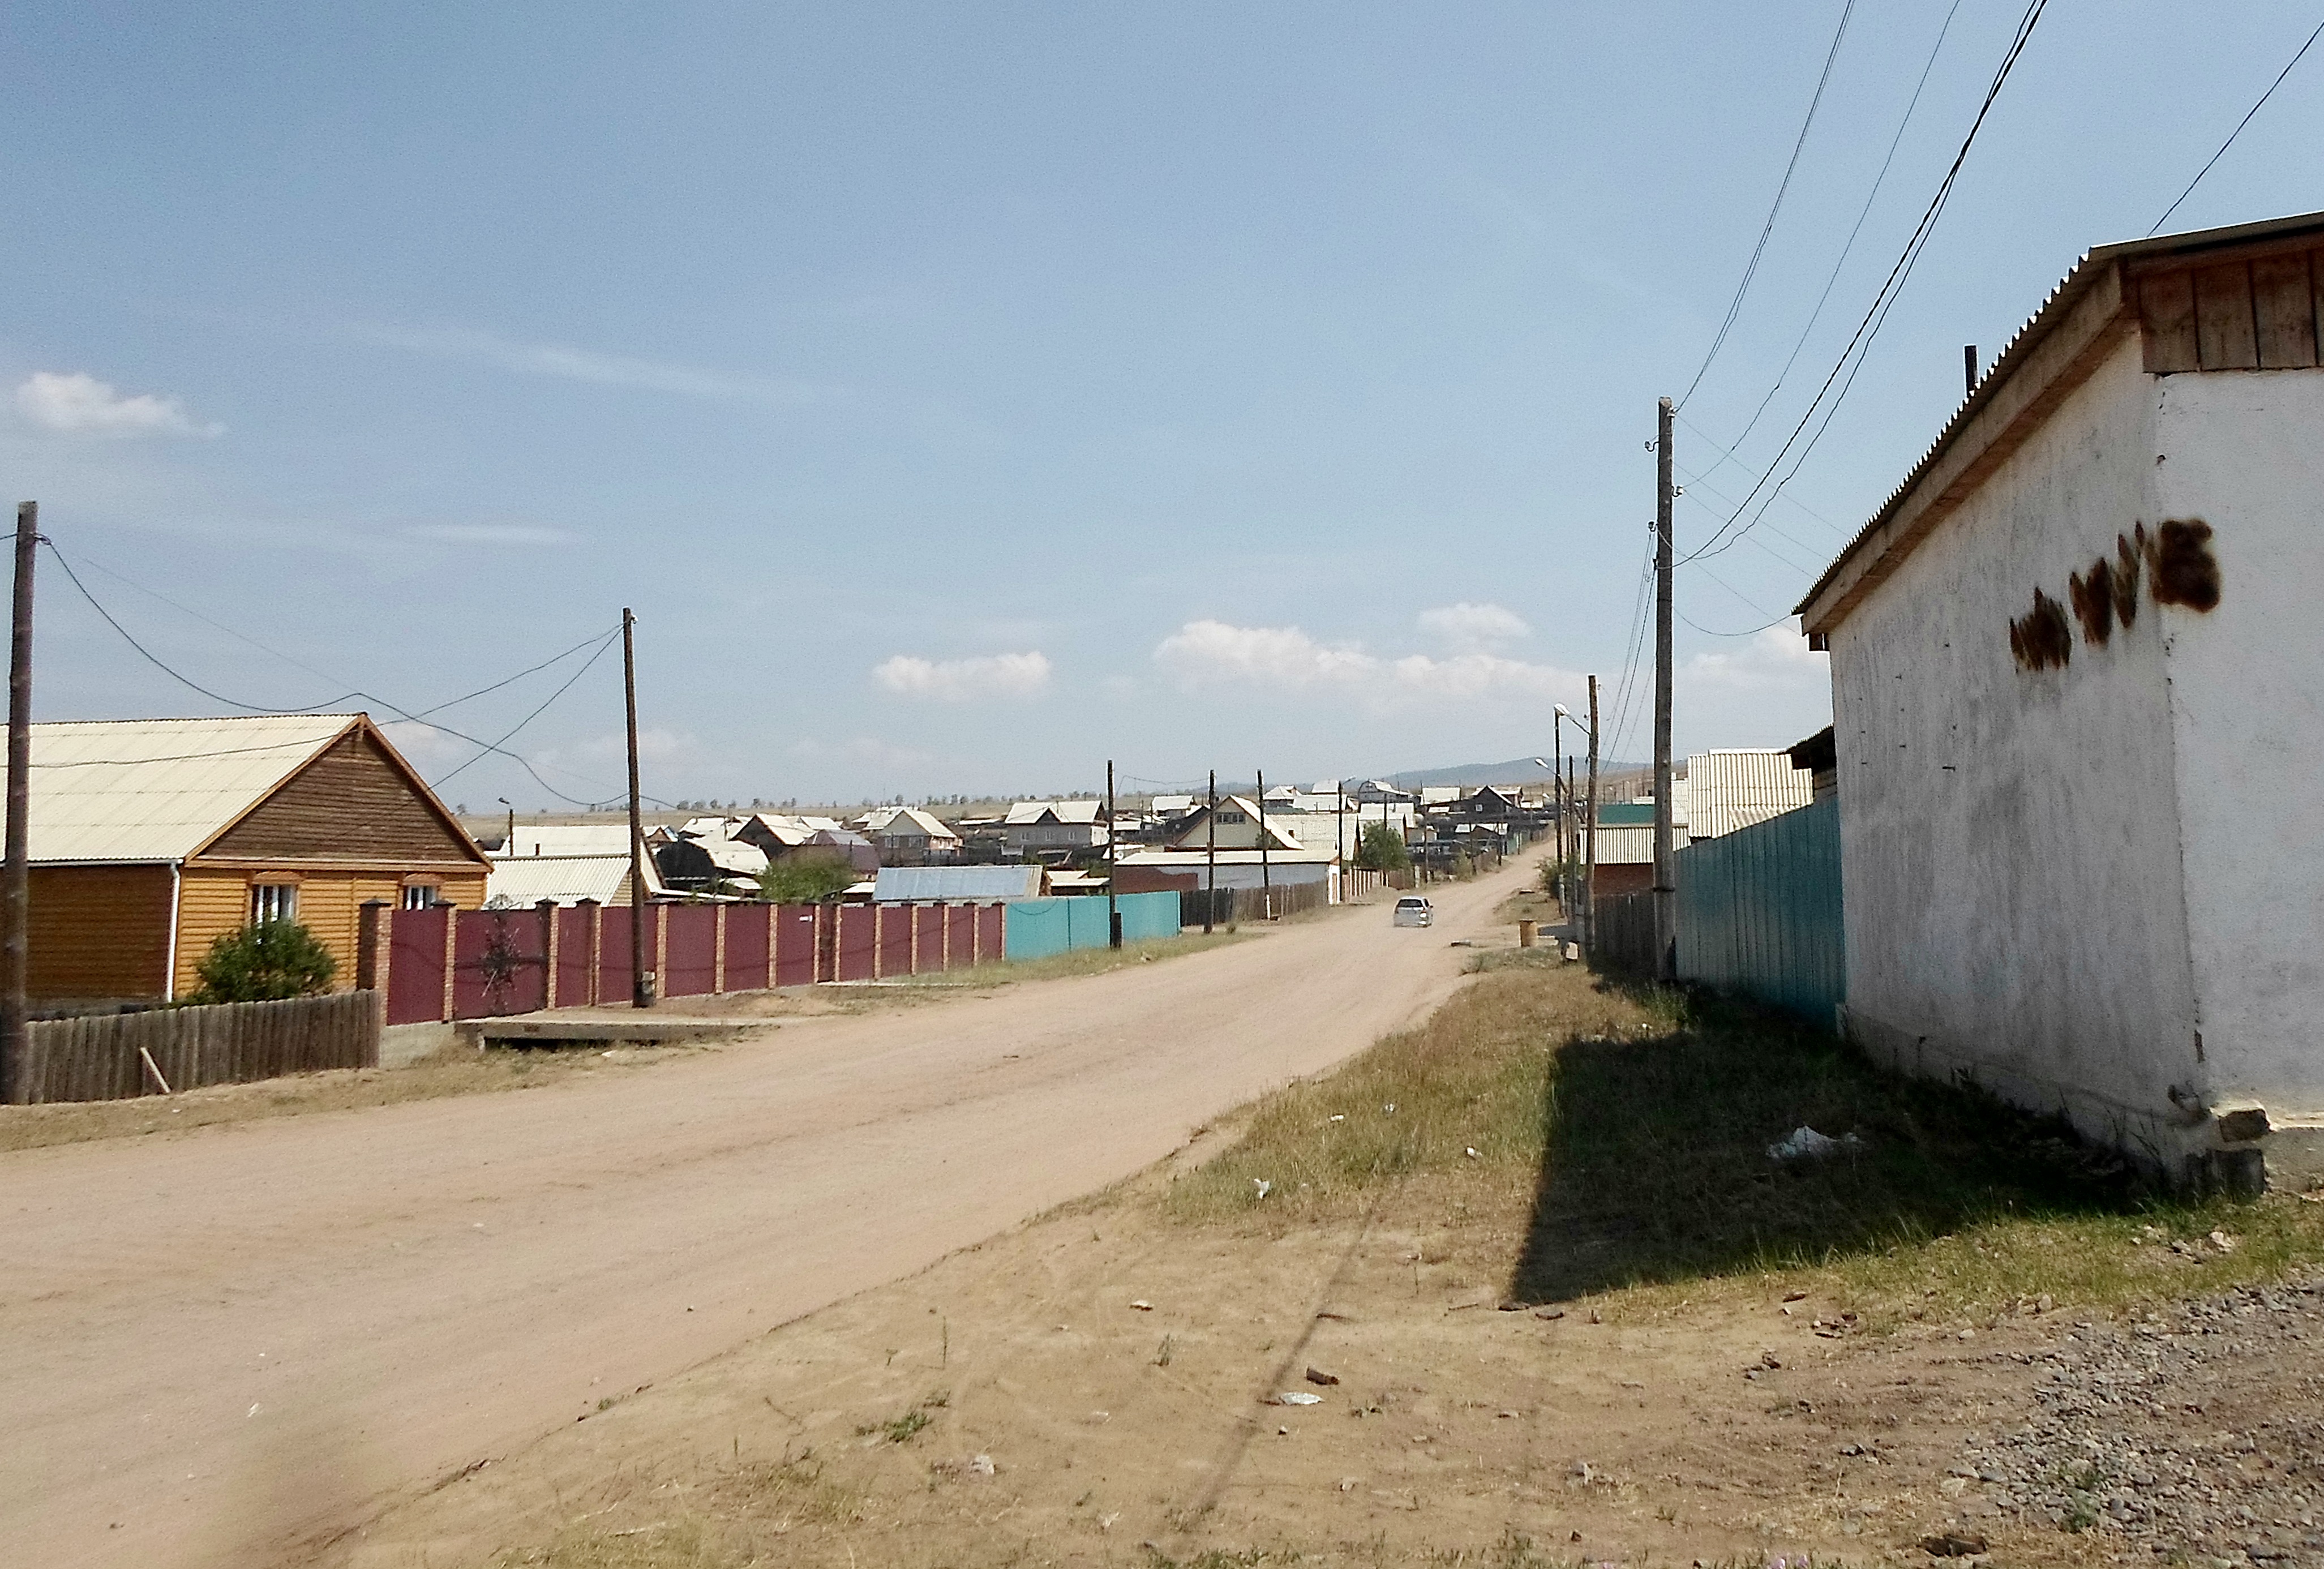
(2078, 680)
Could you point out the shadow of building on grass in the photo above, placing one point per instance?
(1655, 1163)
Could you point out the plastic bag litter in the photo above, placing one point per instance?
(1806, 1144)
(1298, 1398)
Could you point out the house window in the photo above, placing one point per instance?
(423, 895)
(273, 901)
(1229, 816)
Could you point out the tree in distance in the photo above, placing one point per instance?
(264, 963)
(1381, 849)
(806, 880)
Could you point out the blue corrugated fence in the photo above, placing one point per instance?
(1760, 912)
(1037, 927)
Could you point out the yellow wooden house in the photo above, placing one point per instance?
(152, 837)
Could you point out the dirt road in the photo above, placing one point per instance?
(233, 1345)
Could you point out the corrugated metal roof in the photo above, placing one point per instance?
(1633, 845)
(158, 789)
(567, 839)
(911, 822)
(956, 884)
(1024, 812)
(1727, 790)
(526, 879)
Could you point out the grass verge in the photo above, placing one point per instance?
(1629, 1128)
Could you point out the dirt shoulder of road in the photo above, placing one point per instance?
(1552, 1303)
(457, 1071)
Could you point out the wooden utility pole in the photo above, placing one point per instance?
(1265, 880)
(1665, 887)
(1969, 369)
(641, 980)
(16, 873)
(1112, 904)
(1590, 836)
(1211, 862)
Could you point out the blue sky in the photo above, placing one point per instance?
(962, 395)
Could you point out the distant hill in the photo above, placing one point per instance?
(1521, 771)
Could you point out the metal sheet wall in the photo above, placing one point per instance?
(1760, 912)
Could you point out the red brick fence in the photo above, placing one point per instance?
(441, 964)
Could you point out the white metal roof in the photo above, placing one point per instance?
(958, 884)
(527, 880)
(1632, 844)
(1024, 812)
(1726, 790)
(567, 839)
(159, 789)
(911, 822)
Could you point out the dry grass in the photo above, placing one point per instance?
(1622, 1133)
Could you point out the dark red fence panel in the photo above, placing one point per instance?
(614, 978)
(929, 931)
(749, 927)
(895, 938)
(499, 963)
(991, 926)
(572, 956)
(415, 965)
(856, 940)
(794, 945)
(961, 919)
(691, 970)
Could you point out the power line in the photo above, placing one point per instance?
(1862, 214)
(219, 697)
(497, 746)
(2238, 131)
(1751, 269)
(1876, 315)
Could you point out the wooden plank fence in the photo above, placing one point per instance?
(117, 1057)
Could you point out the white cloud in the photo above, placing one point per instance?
(579, 364)
(78, 402)
(1025, 675)
(1474, 627)
(1772, 657)
(489, 534)
(1205, 653)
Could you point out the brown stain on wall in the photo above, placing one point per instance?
(2093, 598)
(2184, 570)
(2041, 637)
(2176, 559)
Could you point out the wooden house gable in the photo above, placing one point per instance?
(357, 801)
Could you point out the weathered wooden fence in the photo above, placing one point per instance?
(1241, 904)
(116, 1056)
(1625, 927)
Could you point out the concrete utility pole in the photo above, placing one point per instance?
(1265, 882)
(1589, 837)
(1666, 888)
(1112, 904)
(15, 870)
(641, 980)
(1211, 858)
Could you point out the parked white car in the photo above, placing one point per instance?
(1414, 910)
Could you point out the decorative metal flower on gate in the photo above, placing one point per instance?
(499, 963)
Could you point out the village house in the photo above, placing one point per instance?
(1055, 830)
(909, 836)
(2074, 663)
(1237, 827)
(151, 838)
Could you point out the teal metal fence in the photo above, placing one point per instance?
(1760, 912)
(1039, 927)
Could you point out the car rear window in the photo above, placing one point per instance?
(1412, 904)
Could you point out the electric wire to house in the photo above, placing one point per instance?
(2238, 131)
(1852, 356)
(601, 641)
(1782, 189)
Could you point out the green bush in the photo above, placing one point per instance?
(806, 878)
(264, 964)
(1381, 849)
